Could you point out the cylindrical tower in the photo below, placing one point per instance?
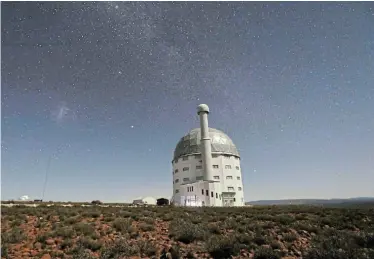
(206, 150)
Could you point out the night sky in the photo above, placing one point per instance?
(107, 89)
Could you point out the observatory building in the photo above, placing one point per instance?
(206, 168)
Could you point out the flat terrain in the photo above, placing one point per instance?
(169, 232)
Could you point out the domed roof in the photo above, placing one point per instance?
(190, 144)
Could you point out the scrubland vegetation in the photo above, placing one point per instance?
(169, 232)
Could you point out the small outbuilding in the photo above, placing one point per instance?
(162, 202)
(145, 201)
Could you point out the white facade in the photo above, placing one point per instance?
(187, 170)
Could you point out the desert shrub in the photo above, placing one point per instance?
(146, 227)
(213, 228)
(119, 249)
(167, 217)
(230, 223)
(123, 225)
(306, 226)
(333, 253)
(15, 223)
(289, 237)
(284, 219)
(42, 238)
(147, 248)
(259, 240)
(266, 253)
(80, 253)
(222, 246)
(66, 243)
(72, 220)
(364, 240)
(16, 235)
(244, 239)
(148, 220)
(196, 220)
(275, 245)
(185, 231)
(90, 244)
(125, 214)
(337, 244)
(301, 216)
(92, 214)
(64, 232)
(84, 228)
(175, 252)
(4, 251)
(108, 218)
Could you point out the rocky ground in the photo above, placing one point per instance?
(169, 232)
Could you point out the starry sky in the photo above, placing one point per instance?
(104, 91)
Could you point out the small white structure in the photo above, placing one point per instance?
(24, 198)
(145, 201)
(206, 168)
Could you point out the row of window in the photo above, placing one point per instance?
(201, 167)
(190, 189)
(185, 158)
(216, 177)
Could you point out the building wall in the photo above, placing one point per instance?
(228, 174)
(201, 193)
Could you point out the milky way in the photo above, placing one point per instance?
(288, 81)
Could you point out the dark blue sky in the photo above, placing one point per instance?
(108, 88)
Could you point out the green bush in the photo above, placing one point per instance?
(185, 231)
(123, 225)
(120, 249)
(222, 246)
(266, 253)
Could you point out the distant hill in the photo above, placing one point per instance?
(356, 200)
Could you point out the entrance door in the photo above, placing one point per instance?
(227, 202)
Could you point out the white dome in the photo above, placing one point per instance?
(190, 143)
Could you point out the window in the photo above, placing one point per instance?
(207, 192)
(176, 191)
(229, 177)
(238, 177)
(239, 188)
(176, 171)
(191, 188)
(198, 156)
(199, 167)
(198, 178)
(228, 166)
(185, 158)
(216, 195)
(214, 155)
(212, 194)
(186, 179)
(176, 180)
(216, 177)
(176, 161)
(237, 167)
(186, 168)
(234, 199)
(230, 188)
(202, 191)
(215, 166)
